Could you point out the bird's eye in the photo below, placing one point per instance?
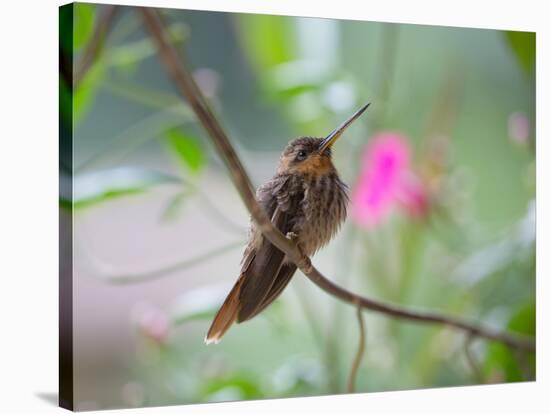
(301, 155)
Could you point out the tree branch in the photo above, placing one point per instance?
(95, 45)
(177, 68)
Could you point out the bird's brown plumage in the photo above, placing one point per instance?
(306, 199)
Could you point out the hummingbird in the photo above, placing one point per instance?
(307, 201)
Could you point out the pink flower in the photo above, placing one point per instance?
(387, 181)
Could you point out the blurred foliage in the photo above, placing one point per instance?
(187, 149)
(66, 54)
(85, 93)
(65, 29)
(235, 387)
(503, 364)
(65, 102)
(99, 186)
(523, 45)
(84, 22)
(270, 41)
(126, 57)
(303, 86)
(449, 92)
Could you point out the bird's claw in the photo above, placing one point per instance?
(291, 235)
(305, 262)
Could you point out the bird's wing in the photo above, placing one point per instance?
(261, 274)
(258, 284)
(286, 272)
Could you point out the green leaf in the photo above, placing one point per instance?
(99, 186)
(294, 78)
(87, 90)
(501, 362)
(187, 149)
(84, 94)
(524, 47)
(84, 19)
(524, 320)
(268, 40)
(240, 386)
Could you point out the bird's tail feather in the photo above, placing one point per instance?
(225, 317)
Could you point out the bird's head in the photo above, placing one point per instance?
(312, 156)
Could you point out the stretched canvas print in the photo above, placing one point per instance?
(257, 206)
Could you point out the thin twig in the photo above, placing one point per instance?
(147, 96)
(524, 365)
(360, 351)
(470, 357)
(218, 215)
(181, 75)
(126, 278)
(93, 49)
(332, 352)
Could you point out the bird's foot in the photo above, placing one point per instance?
(291, 235)
(304, 263)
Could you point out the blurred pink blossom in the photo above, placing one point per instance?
(413, 196)
(518, 127)
(387, 181)
(155, 325)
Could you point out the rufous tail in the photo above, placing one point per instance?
(225, 317)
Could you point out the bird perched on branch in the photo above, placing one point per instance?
(307, 201)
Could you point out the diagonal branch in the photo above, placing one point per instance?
(179, 71)
(95, 45)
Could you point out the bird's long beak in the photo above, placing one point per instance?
(337, 133)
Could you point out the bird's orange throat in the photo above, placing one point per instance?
(315, 165)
